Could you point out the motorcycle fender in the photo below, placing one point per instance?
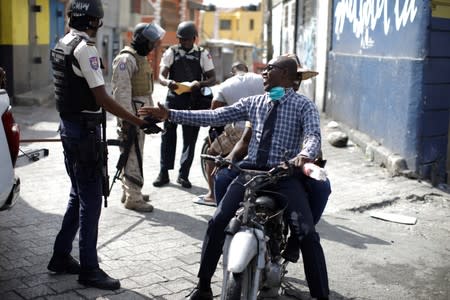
(243, 248)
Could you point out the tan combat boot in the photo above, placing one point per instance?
(145, 197)
(139, 205)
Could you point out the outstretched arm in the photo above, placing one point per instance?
(104, 100)
(160, 112)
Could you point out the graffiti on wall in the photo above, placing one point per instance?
(306, 43)
(365, 15)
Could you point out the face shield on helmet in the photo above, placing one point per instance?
(153, 32)
(145, 36)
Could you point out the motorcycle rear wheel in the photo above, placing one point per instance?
(203, 162)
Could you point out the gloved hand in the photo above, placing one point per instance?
(150, 126)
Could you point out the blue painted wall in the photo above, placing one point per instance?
(382, 81)
(56, 22)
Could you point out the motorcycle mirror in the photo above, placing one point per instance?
(206, 91)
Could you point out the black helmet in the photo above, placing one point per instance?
(149, 31)
(85, 14)
(186, 30)
(82, 8)
(145, 37)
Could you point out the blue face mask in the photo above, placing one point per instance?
(276, 93)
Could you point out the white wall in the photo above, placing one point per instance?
(322, 46)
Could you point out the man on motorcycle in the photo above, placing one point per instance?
(294, 135)
(318, 191)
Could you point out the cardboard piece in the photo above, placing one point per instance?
(394, 218)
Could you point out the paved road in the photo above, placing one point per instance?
(156, 254)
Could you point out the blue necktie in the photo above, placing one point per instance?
(266, 138)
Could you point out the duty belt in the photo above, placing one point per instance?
(88, 119)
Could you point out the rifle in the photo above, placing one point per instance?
(123, 158)
(104, 159)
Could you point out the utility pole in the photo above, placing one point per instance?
(268, 11)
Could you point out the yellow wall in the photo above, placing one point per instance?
(440, 8)
(14, 22)
(43, 23)
(239, 31)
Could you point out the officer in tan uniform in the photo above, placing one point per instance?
(132, 83)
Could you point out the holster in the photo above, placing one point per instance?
(90, 147)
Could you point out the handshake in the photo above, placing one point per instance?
(150, 127)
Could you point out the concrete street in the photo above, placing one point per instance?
(156, 255)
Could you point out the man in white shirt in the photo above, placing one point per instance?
(242, 84)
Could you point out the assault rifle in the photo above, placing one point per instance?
(104, 159)
(123, 158)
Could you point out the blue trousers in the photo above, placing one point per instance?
(318, 191)
(300, 222)
(85, 199)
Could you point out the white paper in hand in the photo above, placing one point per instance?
(315, 171)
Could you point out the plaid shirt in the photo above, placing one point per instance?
(297, 128)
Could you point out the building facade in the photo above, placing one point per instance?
(233, 34)
(385, 73)
(30, 28)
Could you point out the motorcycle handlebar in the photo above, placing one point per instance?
(286, 168)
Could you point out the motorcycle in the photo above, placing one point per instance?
(255, 237)
(213, 133)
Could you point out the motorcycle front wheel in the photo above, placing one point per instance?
(234, 286)
(240, 285)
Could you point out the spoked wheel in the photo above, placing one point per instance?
(203, 161)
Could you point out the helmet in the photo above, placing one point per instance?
(85, 14)
(145, 36)
(82, 8)
(186, 30)
(149, 31)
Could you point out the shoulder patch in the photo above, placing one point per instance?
(122, 66)
(94, 62)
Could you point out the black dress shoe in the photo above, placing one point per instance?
(161, 180)
(64, 264)
(99, 279)
(197, 294)
(184, 182)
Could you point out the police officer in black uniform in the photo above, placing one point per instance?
(185, 62)
(80, 94)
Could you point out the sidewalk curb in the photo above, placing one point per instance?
(375, 152)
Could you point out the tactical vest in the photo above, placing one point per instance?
(72, 92)
(142, 80)
(186, 67)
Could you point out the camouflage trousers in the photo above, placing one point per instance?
(132, 175)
